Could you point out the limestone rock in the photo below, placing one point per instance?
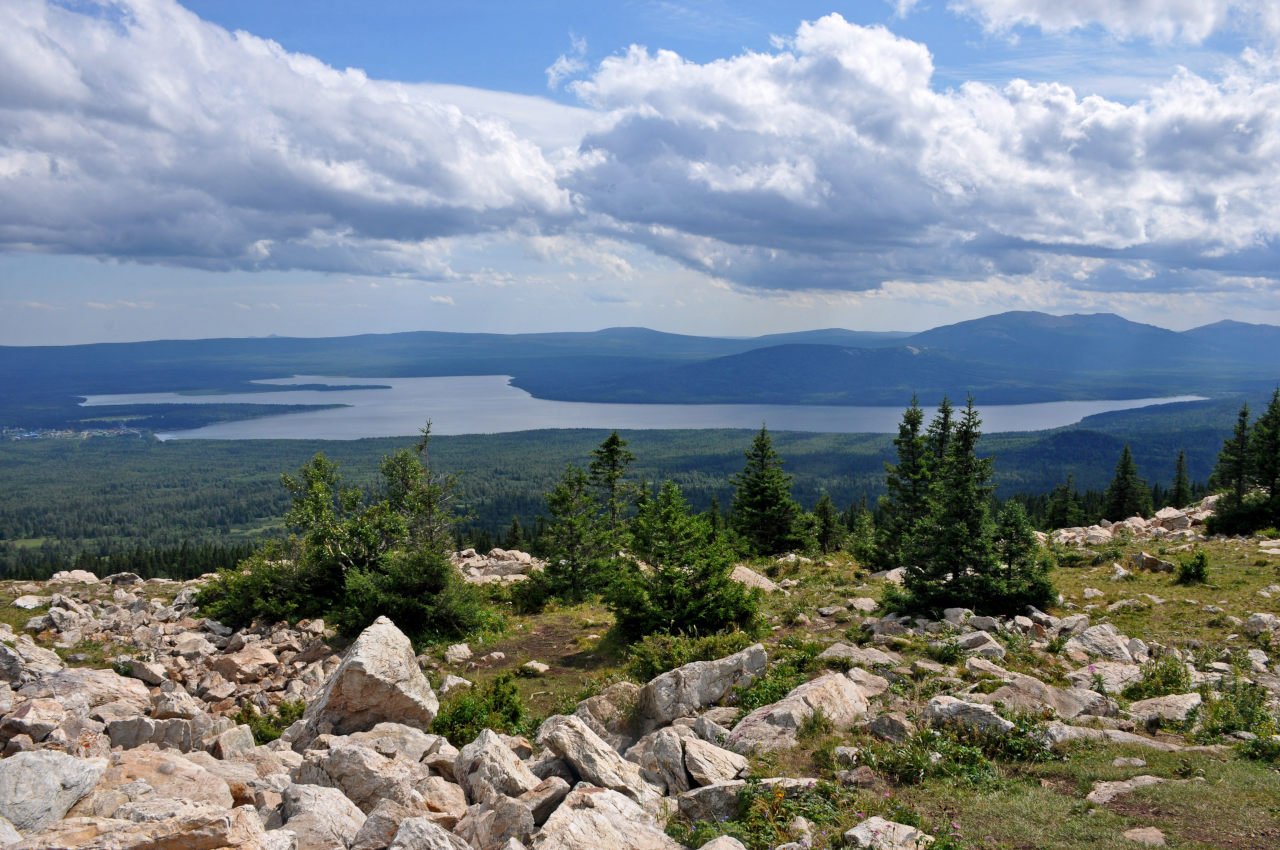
(776, 726)
(322, 818)
(201, 828)
(1113, 675)
(88, 688)
(1148, 835)
(169, 773)
(487, 768)
(40, 787)
(598, 819)
(876, 833)
(1174, 708)
(611, 714)
(1102, 641)
(363, 775)
(708, 764)
(592, 759)
(749, 577)
(660, 756)
(34, 717)
(378, 680)
(687, 690)
(974, 717)
(424, 834)
(490, 827)
(1105, 792)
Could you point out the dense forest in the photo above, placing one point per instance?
(123, 501)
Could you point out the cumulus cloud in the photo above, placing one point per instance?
(135, 129)
(1189, 21)
(833, 163)
(568, 64)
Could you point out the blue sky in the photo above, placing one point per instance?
(236, 168)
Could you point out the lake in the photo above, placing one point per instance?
(488, 404)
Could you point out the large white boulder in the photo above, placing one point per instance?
(600, 819)
(40, 787)
(687, 690)
(378, 680)
(777, 726)
(592, 759)
(321, 818)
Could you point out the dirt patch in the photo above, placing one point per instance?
(1216, 828)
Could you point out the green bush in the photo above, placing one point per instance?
(1160, 677)
(268, 727)
(930, 754)
(1262, 748)
(1238, 706)
(764, 816)
(792, 664)
(495, 706)
(268, 587)
(656, 654)
(1194, 570)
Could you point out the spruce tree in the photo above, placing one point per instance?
(764, 515)
(1264, 451)
(609, 462)
(953, 554)
(1180, 495)
(1127, 495)
(830, 531)
(906, 500)
(576, 542)
(1232, 470)
(1064, 506)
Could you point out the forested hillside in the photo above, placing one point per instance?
(59, 498)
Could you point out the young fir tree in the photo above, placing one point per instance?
(906, 500)
(1127, 495)
(686, 587)
(1064, 506)
(938, 437)
(1022, 579)
(576, 542)
(764, 515)
(514, 538)
(830, 527)
(1232, 470)
(1264, 452)
(608, 467)
(953, 554)
(1180, 495)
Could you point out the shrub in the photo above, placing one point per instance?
(268, 727)
(765, 815)
(791, 667)
(495, 706)
(1194, 570)
(930, 754)
(656, 654)
(1262, 749)
(1238, 706)
(1162, 676)
(945, 652)
(267, 586)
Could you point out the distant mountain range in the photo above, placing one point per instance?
(1006, 358)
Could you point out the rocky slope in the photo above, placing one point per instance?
(147, 753)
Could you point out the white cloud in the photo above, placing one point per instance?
(1164, 21)
(833, 163)
(447, 300)
(568, 65)
(150, 134)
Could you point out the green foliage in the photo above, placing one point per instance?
(764, 514)
(1127, 495)
(955, 556)
(930, 754)
(1194, 570)
(577, 543)
(1180, 495)
(945, 652)
(353, 557)
(1237, 706)
(906, 501)
(1160, 677)
(1262, 749)
(793, 661)
(830, 531)
(422, 593)
(268, 727)
(683, 585)
(607, 471)
(495, 706)
(655, 654)
(765, 814)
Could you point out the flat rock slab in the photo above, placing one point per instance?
(1147, 835)
(1105, 792)
(38, 788)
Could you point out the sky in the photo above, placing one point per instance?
(721, 167)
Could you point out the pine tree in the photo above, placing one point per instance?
(1264, 451)
(1127, 495)
(763, 513)
(576, 543)
(1232, 470)
(906, 501)
(953, 550)
(1064, 506)
(609, 462)
(938, 436)
(514, 538)
(830, 527)
(1180, 495)
(686, 588)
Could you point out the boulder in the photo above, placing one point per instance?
(611, 714)
(321, 818)
(876, 833)
(1102, 641)
(364, 775)
(381, 825)
(687, 690)
(861, 656)
(487, 769)
(598, 819)
(169, 773)
(34, 717)
(945, 711)
(1113, 676)
(251, 664)
(1175, 708)
(40, 787)
(424, 834)
(490, 827)
(750, 578)
(660, 756)
(88, 688)
(776, 726)
(1105, 792)
(592, 759)
(378, 680)
(197, 828)
(708, 764)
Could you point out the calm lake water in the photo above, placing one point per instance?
(488, 404)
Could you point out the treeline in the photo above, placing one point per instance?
(1248, 471)
(184, 561)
